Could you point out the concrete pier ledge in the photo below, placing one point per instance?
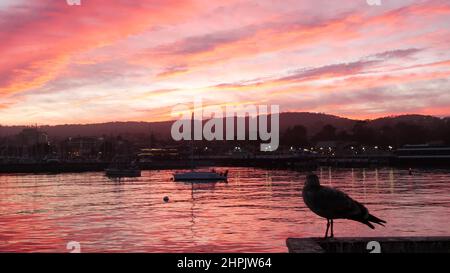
(370, 245)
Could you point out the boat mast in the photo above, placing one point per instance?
(192, 141)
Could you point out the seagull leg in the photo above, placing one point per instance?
(332, 234)
(328, 226)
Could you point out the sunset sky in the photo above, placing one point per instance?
(127, 60)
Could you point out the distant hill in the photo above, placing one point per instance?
(429, 122)
(96, 129)
(312, 121)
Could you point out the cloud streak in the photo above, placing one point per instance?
(142, 57)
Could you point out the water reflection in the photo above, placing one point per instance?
(198, 186)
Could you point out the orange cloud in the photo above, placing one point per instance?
(40, 46)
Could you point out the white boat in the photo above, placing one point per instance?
(200, 176)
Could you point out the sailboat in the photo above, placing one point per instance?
(200, 176)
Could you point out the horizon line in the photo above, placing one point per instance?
(172, 120)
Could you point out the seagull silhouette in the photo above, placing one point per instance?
(332, 204)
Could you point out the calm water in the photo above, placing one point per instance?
(254, 212)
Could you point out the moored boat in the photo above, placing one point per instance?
(201, 176)
(123, 172)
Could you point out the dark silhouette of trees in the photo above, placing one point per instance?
(446, 132)
(410, 134)
(153, 140)
(328, 133)
(385, 136)
(363, 134)
(344, 136)
(295, 136)
(400, 134)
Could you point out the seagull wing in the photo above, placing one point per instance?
(339, 205)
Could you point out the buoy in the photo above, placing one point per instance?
(166, 199)
(410, 171)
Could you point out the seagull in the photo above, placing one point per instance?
(332, 204)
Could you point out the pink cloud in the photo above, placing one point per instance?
(40, 46)
(115, 51)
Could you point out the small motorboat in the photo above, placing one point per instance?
(200, 176)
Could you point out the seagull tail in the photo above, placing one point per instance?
(376, 220)
(368, 224)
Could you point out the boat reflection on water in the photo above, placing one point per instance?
(198, 186)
